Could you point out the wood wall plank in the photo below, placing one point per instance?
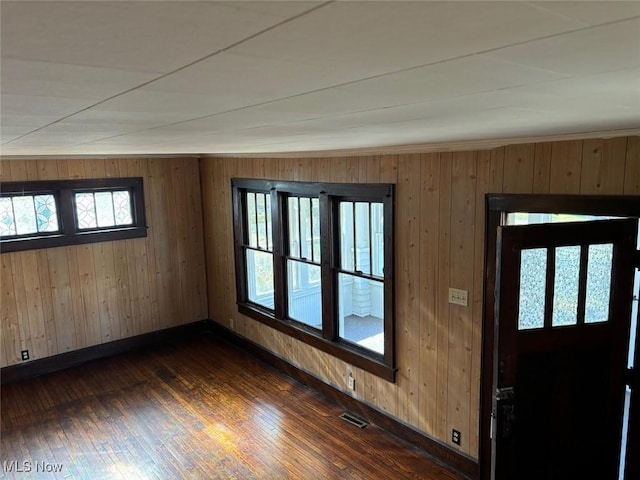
(10, 327)
(632, 167)
(565, 168)
(463, 210)
(440, 244)
(519, 164)
(542, 166)
(35, 307)
(438, 385)
(428, 273)
(442, 306)
(68, 298)
(408, 297)
(603, 165)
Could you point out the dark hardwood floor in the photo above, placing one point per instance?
(198, 409)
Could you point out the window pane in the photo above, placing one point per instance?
(122, 208)
(86, 210)
(251, 219)
(524, 218)
(361, 311)
(346, 236)
(533, 274)
(104, 209)
(315, 217)
(598, 283)
(46, 213)
(565, 296)
(304, 295)
(262, 220)
(25, 215)
(7, 222)
(363, 247)
(377, 229)
(260, 277)
(305, 230)
(268, 214)
(294, 232)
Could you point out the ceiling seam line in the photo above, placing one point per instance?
(260, 104)
(206, 57)
(613, 22)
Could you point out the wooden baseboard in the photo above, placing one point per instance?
(434, 449)
(34, 368)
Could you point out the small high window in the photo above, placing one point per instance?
(43, 214)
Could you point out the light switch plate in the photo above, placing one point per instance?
(459, 297)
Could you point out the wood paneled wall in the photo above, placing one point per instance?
(439, 244)
(61, 299)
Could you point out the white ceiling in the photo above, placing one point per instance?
(154, 77)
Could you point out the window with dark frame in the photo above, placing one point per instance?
(45, 214)
(315, 261)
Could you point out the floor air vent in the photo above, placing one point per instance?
(353, 420)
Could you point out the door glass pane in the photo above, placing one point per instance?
(598, 283)
(260, 277)
(565, 296)
(361, 311)
(304, 293)
(533, 275)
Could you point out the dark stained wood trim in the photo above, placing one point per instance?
(613, 205)
(495, 206)
(34, 368)
(435, 450)
(342, 350)
(69, 234)
(329, 195)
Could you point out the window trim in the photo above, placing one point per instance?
(329, 195)
(69, 233)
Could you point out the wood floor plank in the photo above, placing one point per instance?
(195, 409)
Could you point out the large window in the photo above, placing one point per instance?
(316, 262)
(42, 214)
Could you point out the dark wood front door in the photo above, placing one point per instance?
(563, 308)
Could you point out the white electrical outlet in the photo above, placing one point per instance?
(352, 383)
(459, 297)
(231, 323)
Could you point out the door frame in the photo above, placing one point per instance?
(496, 208)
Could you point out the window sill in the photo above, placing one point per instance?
(64, 240)
(344, 351)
